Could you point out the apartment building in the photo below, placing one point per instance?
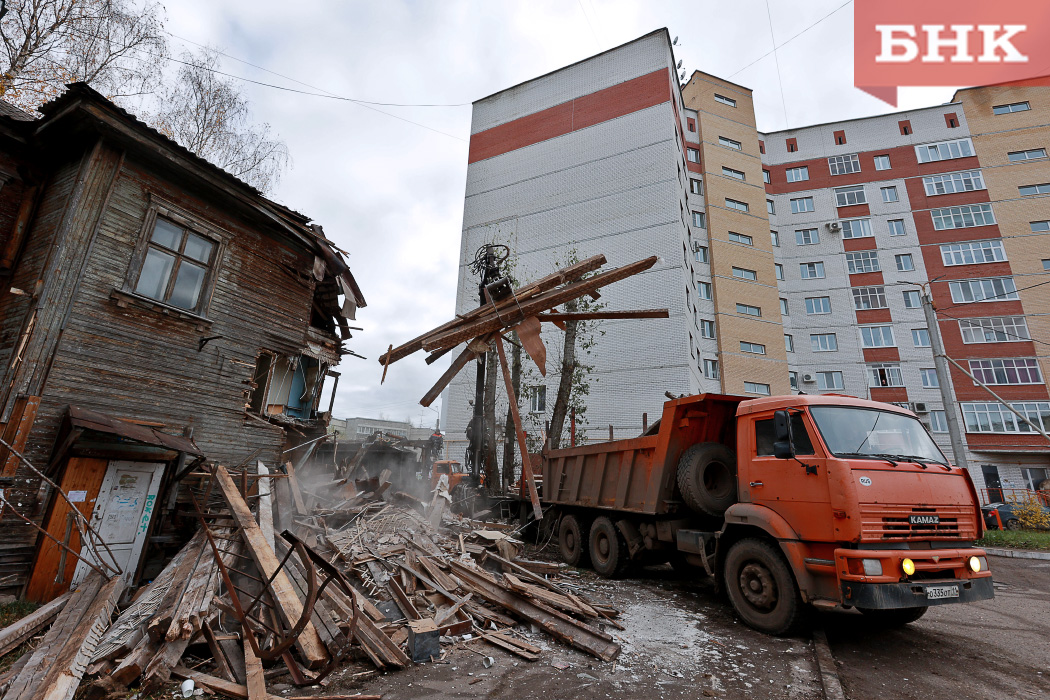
(790, 261)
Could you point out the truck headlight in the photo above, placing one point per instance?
(975, 564)
(907, 566)
(872, 567)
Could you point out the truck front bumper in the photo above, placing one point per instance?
(913, 594)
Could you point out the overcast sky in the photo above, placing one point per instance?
(391, 192)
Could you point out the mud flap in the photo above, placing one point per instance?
(702, 544)
(630, 533)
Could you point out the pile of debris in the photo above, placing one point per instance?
(369, 574)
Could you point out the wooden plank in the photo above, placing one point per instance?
(604, 315)
(514, 646)
(253, 671)
(265, 504)
(218, 654)
(16, 432)
(190, 558)
(448, 375)
(523, 448)
(287, 603)
(297, 494)
(15, 634)
(223, 687)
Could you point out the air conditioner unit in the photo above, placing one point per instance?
(696, 246)
(833, 226)
(808, 378)
(919, 407)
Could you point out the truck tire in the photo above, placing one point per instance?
(572, 540)
(707, 478)
(897, 617)
(761, 587)
(608, 549)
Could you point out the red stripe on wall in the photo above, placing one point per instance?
(616, 101)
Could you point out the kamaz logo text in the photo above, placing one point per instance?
(964, 43)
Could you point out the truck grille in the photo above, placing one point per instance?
(890, 522)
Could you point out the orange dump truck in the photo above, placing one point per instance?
(830, 501)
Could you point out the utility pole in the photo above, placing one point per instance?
(944, 379)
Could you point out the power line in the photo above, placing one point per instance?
(776, 59)
(792, 38)
(973, 323)
(997, 296)
(593, 34)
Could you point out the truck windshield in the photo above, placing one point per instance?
(861, 432)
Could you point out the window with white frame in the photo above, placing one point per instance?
(756, 388)
(896, 227)
(865, 298)
(728, 101)
(745, 274)
(1029, 190)
(700, 253)
(877, 337)
(765, 176)
(774, 238)
(889, 194)
(912, 300)
(799, 174)
(996, 418)
(882, 162)
(801, 204)
(538, 399)
(779, 269)
(962, 217)
(699, 219)
(748, 310)
(707, 329)
(807, 236)
(711, 369)
(771, 208)
(944, 150)
(703, 290)
(729, 143)
(693, 155)
(741, 238)
(737, 204)
(784, 307)
(988, 289)
(844, 165)
(823, 342)
(994, 329)
(929, 378)
(1013, 107)
(818, 305)
(950, 183)
(789, 342)
(754, 348)
(1030, 154)
(885, 374)
(862, 261)
(829, 380)
(904, 262)
(1021, 370)
(857, 228)
(733, 173)
(1039, 226)
(973, 252)
(938, 422)
(696, 186)
(920, 337)
(811, 270)
(793, 380)
(848, 196)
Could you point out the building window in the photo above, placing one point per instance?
(793, 380)
(707, 329)
(730, 143)
(765, 176)
(733, 173)
(929, 378)
(844, 165)
(1038, 226)
(695, 186)
(1015, 107)
(807, 236)
(801, 204)
(745, 274)
(1030, 154)
(823, 342)
(840, 138)
(857, 228)
(912, 300)
(703, 290)
(699, 219)
(792, 145)
(693, 155)
(1007, 371)
(996, 329)
(1029, 190)
(774, 238)
(996, 418)
(865, 298)
(885, 375)
(951, 183)
(896, 227)
(756, 388)
(905, 127)
(711, 369)
(736, 204)
(728, 101)
(829, 380)
(848, 196)
(754, 348)
(690, 124)
(938, 422)
(964, 216)
(882, 162)
(889, 194)
(784, 307)
(812, 270)
(904, 262)
(770, 207)
(1046, 264)
(799, 174)
(740, 238)
(920, 337)
(700, 253)
(177, 265)
(973, 252)
(818, 305)
(538, 400)
(944, 150)
(748, 310)
(779, 269)
(988, 289)
(789, 343)
(877, 337)
(864, 261)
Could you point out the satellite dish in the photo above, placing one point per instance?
(681, 76)
(675, 42)
(679, 63)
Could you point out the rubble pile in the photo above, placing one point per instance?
(361, 573)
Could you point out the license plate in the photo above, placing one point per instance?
(938, 592)
(924, 519)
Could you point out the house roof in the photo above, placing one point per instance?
(102, 423)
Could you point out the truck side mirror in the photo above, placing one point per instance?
(783, 445)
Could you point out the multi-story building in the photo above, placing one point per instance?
(793, 260)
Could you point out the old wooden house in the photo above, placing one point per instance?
(154, 312)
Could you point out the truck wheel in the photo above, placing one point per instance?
(896, 617)
(608, 549)
(572, 540)
(707, 478)
(761, 587)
